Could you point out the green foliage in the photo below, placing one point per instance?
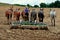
(51, 5)
(19, 5)
(55, 4)
(4, 4)
(43, 5)
(29, 23)
(36, 6)
(28, 5)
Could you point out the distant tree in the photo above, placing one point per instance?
(28, 5)
(57, 3)
(51, 5)
(36, 6)
(43, 5)
(17, 4)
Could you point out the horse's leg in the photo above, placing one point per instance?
(39, 19)
(16, 18)
(51, 21)
(10, 18)
(31, 18)
(42, 19)
(54, 21)
(27, 16)
(34, 17)
(23, 18)
(7, 20)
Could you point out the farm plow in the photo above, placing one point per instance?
(28, 25)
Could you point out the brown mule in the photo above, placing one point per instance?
(8, 14)
(23, 15)
(17, 14)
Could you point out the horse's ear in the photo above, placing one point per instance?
(11, 7)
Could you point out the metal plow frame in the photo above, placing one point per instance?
(32, 27)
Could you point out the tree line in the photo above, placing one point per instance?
(55, 4)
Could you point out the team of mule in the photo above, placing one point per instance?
(26, 13)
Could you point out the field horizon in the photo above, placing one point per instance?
(19, 34)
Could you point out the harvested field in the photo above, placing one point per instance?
(19, 34)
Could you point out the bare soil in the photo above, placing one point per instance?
(19, 34)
